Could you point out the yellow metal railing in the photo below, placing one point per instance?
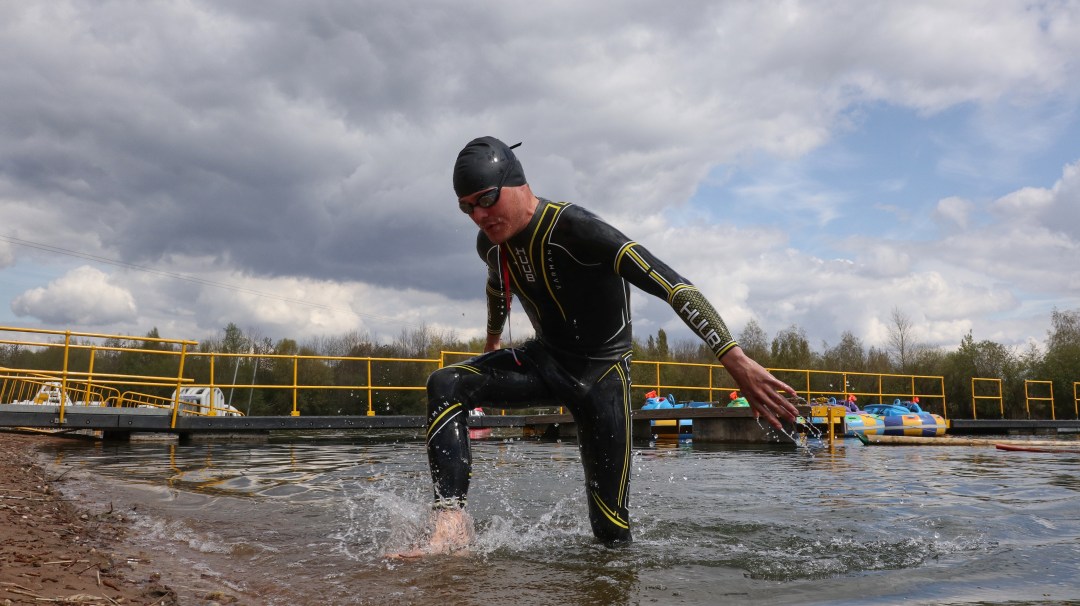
(974, 397)
(709, 385)
(460, 355)
(45, 387)
(811, 384)
(1028, 398)
(70, 381)
(369, 386)
(17, 387)
(80, 378)
(711, 373)
(1076, 399)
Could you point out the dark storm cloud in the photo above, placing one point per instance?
(307, 146)
(288, 139)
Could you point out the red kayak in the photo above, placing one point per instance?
(1034, 448)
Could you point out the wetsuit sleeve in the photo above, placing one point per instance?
(634, 263)
(496, 296)
(639, 267)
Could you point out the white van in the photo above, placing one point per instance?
(196, 400)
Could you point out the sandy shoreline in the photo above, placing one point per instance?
(53, 552)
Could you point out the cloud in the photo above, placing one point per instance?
(1059, 208)
(289, 138)
(82, 297)
(7, 255)
(305, 149)
(1036, 233)
(954, 210)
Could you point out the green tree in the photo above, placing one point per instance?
(791, 349)
(278, 371)
(1061, 364)
(234, 340)
(877, 360)
(847, 355)
(982, 360)
(663, 352)
(755, 343)
(141, 359)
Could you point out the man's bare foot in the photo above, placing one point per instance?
(452, 532)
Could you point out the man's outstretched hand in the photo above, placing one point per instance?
(764, 391)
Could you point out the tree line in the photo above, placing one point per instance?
(256, 361)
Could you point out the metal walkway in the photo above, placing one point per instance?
(711, 424)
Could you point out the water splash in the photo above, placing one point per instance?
(805, 436)
(380, 520)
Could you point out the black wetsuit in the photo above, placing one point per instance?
(571, 271)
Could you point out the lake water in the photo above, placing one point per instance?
(304, 521)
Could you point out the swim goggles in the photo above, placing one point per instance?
(491, 196)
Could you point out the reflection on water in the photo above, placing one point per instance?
(300, 521)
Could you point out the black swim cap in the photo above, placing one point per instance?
(484, 163)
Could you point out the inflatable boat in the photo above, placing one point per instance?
(682, 429)
(901, 418)
(906, 419)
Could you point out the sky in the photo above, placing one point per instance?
(286, 166)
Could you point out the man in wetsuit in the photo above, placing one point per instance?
(571, 271)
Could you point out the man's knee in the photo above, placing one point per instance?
(443, 383)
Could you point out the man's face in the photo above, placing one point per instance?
(506, 217)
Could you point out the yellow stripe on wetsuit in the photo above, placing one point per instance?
(556, 209)
(608, 512)
(537, 243)
(443, 418)
(455, 407)
(623, 483)
(627, 250)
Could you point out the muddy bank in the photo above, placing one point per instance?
(53, 551)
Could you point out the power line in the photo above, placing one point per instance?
(185, 277)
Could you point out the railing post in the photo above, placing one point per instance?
(1076, 398)
(711, 383)
(832, 431)
(64, 376)
(1001, 398)
(944, 403)
(295, 382)
(90, 377)
(370, 405)
(1053, 404)
(179, 383)
(212, 386)
(974, 412)
(1027, 400)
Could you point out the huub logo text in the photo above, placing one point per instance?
(701, 324)
(523, 262)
